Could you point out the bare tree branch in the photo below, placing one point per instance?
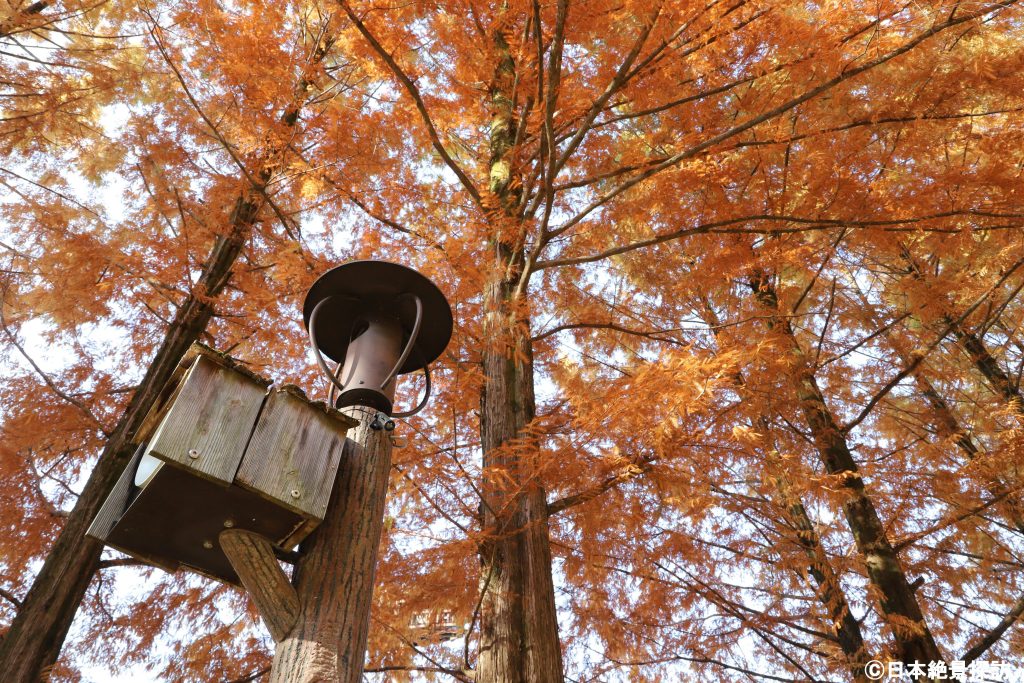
(256, 675)
(989, 639)
(414, 93)
(9, 597)
(621, 77)
(724, 224)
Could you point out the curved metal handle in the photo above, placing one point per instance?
(408, 347)
(426, 397)
(333, 387)
(316, 349)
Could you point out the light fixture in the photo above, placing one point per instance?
(376, 320)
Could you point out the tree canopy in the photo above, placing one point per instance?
(735, 386)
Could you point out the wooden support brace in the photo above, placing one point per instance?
(253, 559)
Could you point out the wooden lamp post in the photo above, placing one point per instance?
(231, 476)
(346, 309)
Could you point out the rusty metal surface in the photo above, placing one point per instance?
(171, 519)
(362, 287)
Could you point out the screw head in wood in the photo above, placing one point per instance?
(296, 493)
(208, 545)
(229, 523)
(193, 454)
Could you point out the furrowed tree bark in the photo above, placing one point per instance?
(518, 624)
(335, 572)
(898, 603)
(37, 633)
(518, 640)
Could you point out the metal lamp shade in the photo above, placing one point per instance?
(366, 314)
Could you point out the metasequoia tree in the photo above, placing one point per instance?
(898, 603)
(534, 171)
(216, 209)
(734, 287)
(802, 531)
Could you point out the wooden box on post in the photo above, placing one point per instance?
(221, 452)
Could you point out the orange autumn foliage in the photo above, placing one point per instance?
(735, 237)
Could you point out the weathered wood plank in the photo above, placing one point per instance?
(169, 390)
(208, 424)
(253, 559)
(113, 507)
(294, 453)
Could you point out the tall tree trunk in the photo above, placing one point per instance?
(37, 633)
(899, 607)
(334, 575)
(518, 622)
(830, 593)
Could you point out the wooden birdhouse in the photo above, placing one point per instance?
(222, 451)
